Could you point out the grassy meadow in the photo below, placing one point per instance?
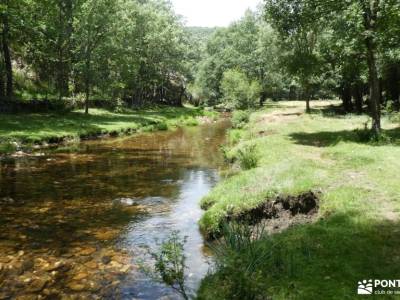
(355, 235)
(26, 129)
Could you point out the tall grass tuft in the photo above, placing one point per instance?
(240, 118)
(248, 157)
(238, 254)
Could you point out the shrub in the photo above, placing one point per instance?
(170, 264)
(162, 126)
(239, 92)
(240, 118)
(238, 256)
(234, 136)
(248, 157)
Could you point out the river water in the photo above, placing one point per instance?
(80, 223)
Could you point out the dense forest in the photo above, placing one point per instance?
(288, 188)
(139, 52)
(77, 50)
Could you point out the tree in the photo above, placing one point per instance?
(92, 30)
(295, 22)
(368, 19)
(248, 45)
(5, 12)
(238, 91)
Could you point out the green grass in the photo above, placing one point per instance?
(39, 128)
(356, 235)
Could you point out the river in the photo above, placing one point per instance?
(79, 223)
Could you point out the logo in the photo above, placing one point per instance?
(365, 287)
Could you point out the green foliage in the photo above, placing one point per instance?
(248, 45)
(248, 156)
(358, 181)
(135, 51)
(238, 249)
(238, 91)
(170, 263)
(240, 118)
(234, 136)
(43, 128)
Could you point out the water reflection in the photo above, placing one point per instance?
(93, 210)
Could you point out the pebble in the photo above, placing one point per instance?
(80, 276)
(27, 265)
(87, 251)
(76, 286)
(91, 265)
(37, 285)
(125, 269)
(59, 265)
(106, 260)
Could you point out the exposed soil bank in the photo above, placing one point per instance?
(278, 214)
(284, 211)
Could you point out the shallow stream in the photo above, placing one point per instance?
(78, 223)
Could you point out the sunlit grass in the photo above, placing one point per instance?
(356, 235)
(37, 128)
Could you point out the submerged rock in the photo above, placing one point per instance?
(37, 285)
(61, 266)
(80, 276)
(125, 202)
(76, 286)
(87, 251)
(7, 200)
(91, 265)
(106, 260)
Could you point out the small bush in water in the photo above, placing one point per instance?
(171, 263)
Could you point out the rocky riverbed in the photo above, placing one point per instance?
(82, 272)
(79, 224)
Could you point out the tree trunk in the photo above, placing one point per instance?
(370, 22)
(7, 56)
(308, 98)
(2, 94)
(346, 98)
(393, 84)
(358, 98)
(64, 55)
(308, 107)
(1, 87)
(87, 86)
(374, 97)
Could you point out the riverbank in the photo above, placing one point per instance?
(26, 131)
(353, 233)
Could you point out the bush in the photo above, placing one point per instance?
(162, 126)
(239, 92)
(238, 256)
(248, 157)
(234, 136)
(170, 264)
(240, 118)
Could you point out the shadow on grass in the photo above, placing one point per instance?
(34, 127)
(331, 111)
(332, 138)
(324, 260)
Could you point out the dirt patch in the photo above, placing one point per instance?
(283, 212)
(278, 116)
